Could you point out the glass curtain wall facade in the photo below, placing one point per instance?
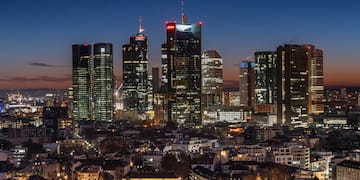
(212, 78)
(300, 83)
(265, 82)
(183, 47)
(316, 80)
(103, 81)
(135, 73)
(81, 81)
(247, 83)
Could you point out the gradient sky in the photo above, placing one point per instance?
(36, 36)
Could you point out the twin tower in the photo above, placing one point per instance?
(92, 82)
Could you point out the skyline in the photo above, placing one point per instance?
(45, 31)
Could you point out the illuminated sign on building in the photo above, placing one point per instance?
(183, 27)
(140, 38)
(170, 27)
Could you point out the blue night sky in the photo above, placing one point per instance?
(36, 36)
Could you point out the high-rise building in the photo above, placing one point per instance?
(212, 78)
(103, 81)
(150, 94)
(265, 82)
(135, 73)
(183, 47)
(155, 79)
(247, 83)
(81, 81)
(316, 80)
(164, 67)
(299, 83)
(70, 102)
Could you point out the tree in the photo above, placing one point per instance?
(179, 164)
(4, 144)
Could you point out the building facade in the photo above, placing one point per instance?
(164, 67)
(212, 78)
(299, 83)
(265, 82)
(155, 79)
(348, 170)
(183, 47)
(135, 73)
(103, 81)
(247, 83)
(316, 80)
(81, 81)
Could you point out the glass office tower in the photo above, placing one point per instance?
(183, 50)
(300, 83)
(81, 81)
(103, 81)
(135, 73)
(247, 83)
(265, 82)
(212, 78)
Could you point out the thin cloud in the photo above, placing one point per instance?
(39, 64)
(37, 78)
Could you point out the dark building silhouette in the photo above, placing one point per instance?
(51, 119)
(299, 82)
(247, 83)
(155, 79)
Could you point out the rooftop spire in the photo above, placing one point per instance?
(141, 30)
(183, 17)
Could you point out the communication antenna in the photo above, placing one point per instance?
(141, 30)
(183, 17)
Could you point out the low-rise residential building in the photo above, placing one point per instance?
(348, 170)
(251, 153)
(292, 154)
(88, 172)
(193, 145)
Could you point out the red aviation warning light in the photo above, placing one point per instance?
(139, 38)
(170, 27)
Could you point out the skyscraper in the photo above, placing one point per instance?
(247, 83)
(155, 79)
(135, 73)
(299, 82)
(81, 81)
(183, 47)
(316, 81)
(149, 95)
(212, 78)
(103, 81)
(164, 67)
(265, 82)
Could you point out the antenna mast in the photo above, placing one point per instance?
(183, 17)
(141, 30)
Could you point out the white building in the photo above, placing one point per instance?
(252, 153)
(292, 154)
(321, 165)
(193, 145)
(231, 114)
(18, 153)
